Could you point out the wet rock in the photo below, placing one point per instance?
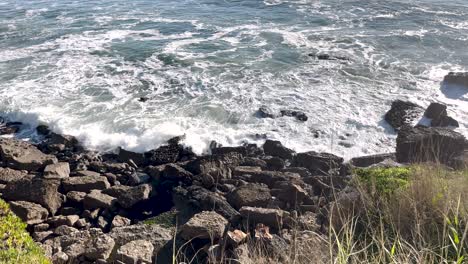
(85, 183)
(195, 199)
(270, 217)
(8, 175)
(276, 149)
(175, 172)
(30, 213)
(163, 155)
(128, 196)
(254, 195)
(422, 144)
(59, 139)
(457, 78)
(138, 178)
(136, 252)
(253, 162)
(299, 115)
(43, 130)
(96, 199)
(125, 156)
(445, 121)
(204, 225)
(21, 155)
(36, 190)
(265, 112)
(435, 111)
(317, 163)
(57, 171)
(366, 161)
(403, 114)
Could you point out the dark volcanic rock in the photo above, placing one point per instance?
(30, 213)
(24, 156)
(57, 171)
(163, 155)
(445, 121)
(195, 199)
(403, 114)
(422, 144)
(270, 217)
(366, 161)
(276, 149)
(126, 156)
(435, 111)
(299, 115)
(265, 112)
(457, 78)
(96, 199)
(317, 163)
(204, 225)
(255, 195)
(37, 190)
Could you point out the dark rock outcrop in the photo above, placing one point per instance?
(318, 163)
(21, 155)
(403, 114)
(255, 195)
(422, 144)
(276, 149)
(457, 78)
(366, 161)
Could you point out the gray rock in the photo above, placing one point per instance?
(60, 258)
(138, 178)
(128, 196)
(68, 220)
(97, 199)
(249, 195)
(41, 236)
(64, 230)
(30, 213)
(57, 171)
(245, 170)
(88, 173)
(41, 227)
(36, 190)
(136, 252)
(366, 161)
(157, 235)
(21, 155)
(318, 163)
(204, 225)
(76, 197)
(120, 221)
(422, 144)
(8, 175)
(85, 183)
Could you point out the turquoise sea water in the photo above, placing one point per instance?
(207, 66)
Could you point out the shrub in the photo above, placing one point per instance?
(16, 245)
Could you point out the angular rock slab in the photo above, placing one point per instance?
(204, 225)
(30, 213)
(136, 252)
(21, 155)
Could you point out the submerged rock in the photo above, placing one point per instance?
(299, 115)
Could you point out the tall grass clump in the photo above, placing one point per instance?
(402, 215)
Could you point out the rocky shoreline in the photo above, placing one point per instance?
(88, 207)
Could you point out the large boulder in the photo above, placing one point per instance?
(85, 183)
(421, 144)
(128, 196)
(163, 154)
(126, 156)
(204, 225)
(8, 175)
(403, 114)
(30, 213)
(276, 149)
(36, 190)
(21, 155)
(435, 111)
(255, 195)
(57, 171)
(318, 163)
(457, 78)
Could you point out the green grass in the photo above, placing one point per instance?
(384, 181)
(16, 245)
(166, 219)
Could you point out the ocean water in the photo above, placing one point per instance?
(206, 66)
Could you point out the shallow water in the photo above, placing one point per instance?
(207, 66)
